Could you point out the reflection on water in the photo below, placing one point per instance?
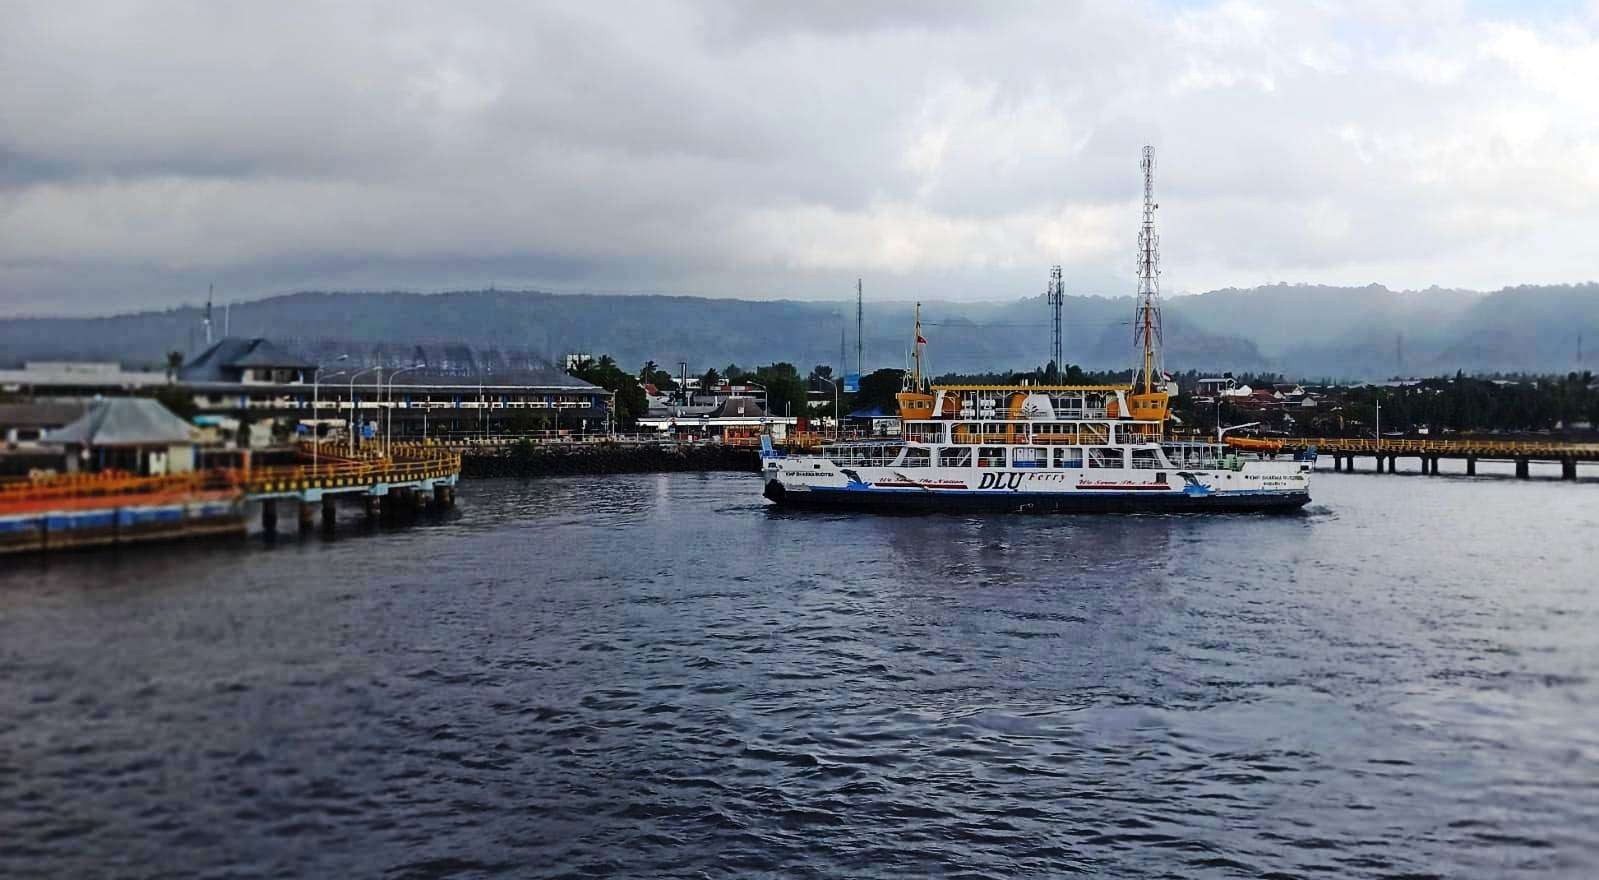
(661, 675)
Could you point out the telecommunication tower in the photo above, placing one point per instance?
(859, 323)
(1057, 299)
(1146, 326)
(210, 291)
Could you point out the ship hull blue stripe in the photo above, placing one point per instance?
(1098, 501)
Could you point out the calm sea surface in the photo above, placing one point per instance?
(658, 676)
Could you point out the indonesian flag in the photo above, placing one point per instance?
(921, 340)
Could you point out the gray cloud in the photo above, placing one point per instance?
(940, 150)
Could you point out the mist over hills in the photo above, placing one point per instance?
(1307, 331)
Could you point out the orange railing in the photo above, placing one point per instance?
(113, 488)
(93, 490)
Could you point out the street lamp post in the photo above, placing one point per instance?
(353, 377)
(835, 403)
(316, 403)
(388, 421)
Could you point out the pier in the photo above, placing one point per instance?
(1429, 451)
(410, 476)
(113, 508)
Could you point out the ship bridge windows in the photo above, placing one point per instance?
(1105, 457)
(991, 456)
(924, 432)
(1068, 457)
(955, 456)
(916, 456)
(1029, 457)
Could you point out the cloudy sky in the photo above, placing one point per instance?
(940, 150)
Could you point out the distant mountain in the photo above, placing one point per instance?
(1301, 330)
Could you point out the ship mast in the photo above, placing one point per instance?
(1146, 328)
(916, 380)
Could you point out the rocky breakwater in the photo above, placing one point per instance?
(557, 459)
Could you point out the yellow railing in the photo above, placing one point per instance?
(1430, 446)
(406, 462)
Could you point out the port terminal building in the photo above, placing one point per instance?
(262, 392)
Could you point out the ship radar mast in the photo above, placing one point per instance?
(916, 376)
(1146, 326)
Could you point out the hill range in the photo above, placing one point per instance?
(1303, 331)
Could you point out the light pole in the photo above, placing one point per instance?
(353, 377)
(835, 403)
(1379, 426)
(316, 402)
(388, 420)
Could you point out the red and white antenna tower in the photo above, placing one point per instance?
(1146, 326)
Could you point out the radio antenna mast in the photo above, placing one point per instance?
(1146, 329)
(859, 323)
(210, 290)
(1057, 298)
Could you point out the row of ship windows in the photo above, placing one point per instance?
(1020, 457)
(1012, 432)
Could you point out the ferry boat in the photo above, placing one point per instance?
(1044, 448)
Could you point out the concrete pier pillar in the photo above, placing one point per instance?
(1568, 469)
(269, 516)
(307, 515)
(330, 513)
(1522, 470)
(1393, 460)
(369, 506)
(386, 505)
(441, 495)
(1471, 465)
(1338, 463)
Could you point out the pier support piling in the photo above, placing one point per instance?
(1471, 465)
(1338, 463)
(330, 513)
(1522, 470)
(369, 506)
(1568, 469)
(307, 515)
(441, 496)
(269, 516)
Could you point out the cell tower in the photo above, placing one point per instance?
(1146, 326)
(210, 290)
(1057, 299)
(859, 323)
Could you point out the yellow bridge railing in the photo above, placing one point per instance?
(1444, 448)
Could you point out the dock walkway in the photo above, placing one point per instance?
(1429, 450)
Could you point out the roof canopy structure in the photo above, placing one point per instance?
(222, 361)
(739, 407)
(125, 421)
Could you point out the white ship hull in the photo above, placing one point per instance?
(815, 481)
